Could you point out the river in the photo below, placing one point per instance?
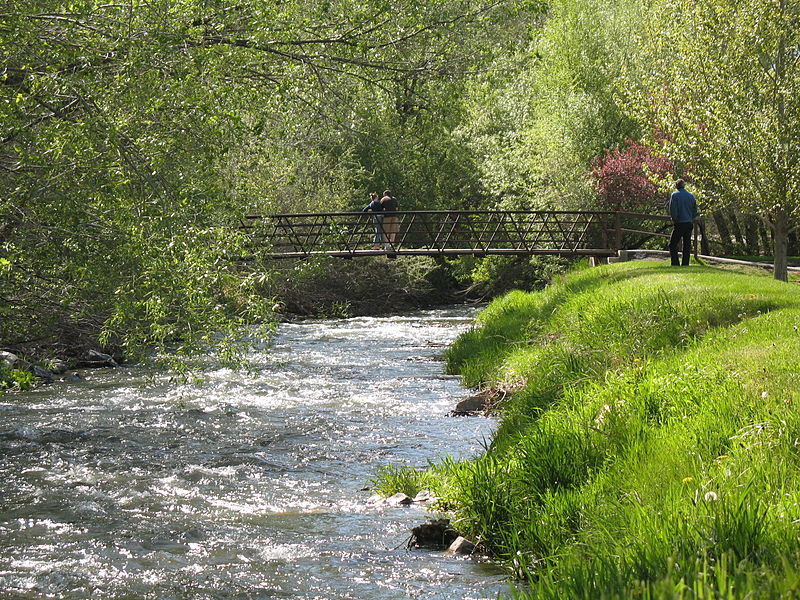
(247, 486)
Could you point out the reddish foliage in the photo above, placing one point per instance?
(625, 178)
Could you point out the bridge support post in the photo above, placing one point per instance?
(622, 256)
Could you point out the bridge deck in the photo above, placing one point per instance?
(446, 252)
(443, 233)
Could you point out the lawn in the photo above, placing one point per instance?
(649, 437)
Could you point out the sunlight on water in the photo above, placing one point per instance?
(250, 485)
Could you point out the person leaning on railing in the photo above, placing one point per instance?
(375, 206)
(391, 223)
(683, 212)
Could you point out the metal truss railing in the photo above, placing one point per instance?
(432, 233)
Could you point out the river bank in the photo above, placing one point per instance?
(647, 447)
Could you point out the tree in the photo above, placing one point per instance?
(720, 81)
(551, 105)
(628, 178)
(120, 124)
(111, 219)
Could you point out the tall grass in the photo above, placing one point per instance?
(651, 447)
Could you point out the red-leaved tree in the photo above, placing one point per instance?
(628, 178)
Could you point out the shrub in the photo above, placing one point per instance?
(632, 178)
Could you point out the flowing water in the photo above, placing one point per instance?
(245, 487)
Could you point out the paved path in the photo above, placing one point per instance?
(664, 255)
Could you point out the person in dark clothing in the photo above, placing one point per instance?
(683, 212)
(375, 206)
(390, 222)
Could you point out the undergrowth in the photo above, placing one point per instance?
(651, 447)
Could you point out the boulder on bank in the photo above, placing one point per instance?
(461, 545)
(399, 499)
(95, 359)
(424, 496)
(41, 373)
(58, 366)
(46, 371)
(478, 404)
(12, 361)
(8, 359)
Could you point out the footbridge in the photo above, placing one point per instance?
(451, 233)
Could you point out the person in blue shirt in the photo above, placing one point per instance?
(683, 212)
(376, 207)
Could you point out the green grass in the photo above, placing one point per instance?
(403, 479)
(651, 445)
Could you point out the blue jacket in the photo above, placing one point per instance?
(682, 207)
(374, 206)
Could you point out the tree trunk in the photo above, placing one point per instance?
(750, 223)
(780, 223)
(737, 232)
(722, 229)
(766, 237)
(794, 244)
(781, 216)
(705, 247)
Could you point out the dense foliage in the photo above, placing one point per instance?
(134, 135)
(720, 84)
(633, 178)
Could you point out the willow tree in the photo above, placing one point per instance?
(117, 124)
(720, 89)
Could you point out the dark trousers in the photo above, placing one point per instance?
(680, 232)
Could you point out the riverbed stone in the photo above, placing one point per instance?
(8, 359)
(476, 404)
(399, 499)
(461, 545)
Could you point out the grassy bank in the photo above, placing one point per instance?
(650, 437)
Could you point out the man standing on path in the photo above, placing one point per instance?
(683, 212)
